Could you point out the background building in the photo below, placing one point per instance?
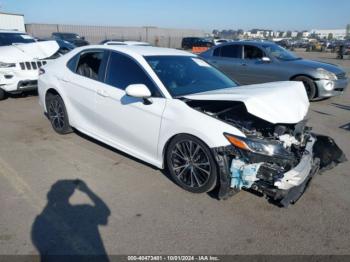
(326, 33)
(12, 22)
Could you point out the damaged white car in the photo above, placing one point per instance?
(175, 111)
(20, 59)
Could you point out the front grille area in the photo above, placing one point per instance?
(32, 65)
(341, 75)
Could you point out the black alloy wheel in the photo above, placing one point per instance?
(57, 114)
(191, 164)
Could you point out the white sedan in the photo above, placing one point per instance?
(173, 110)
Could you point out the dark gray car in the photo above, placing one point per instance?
(250, 62)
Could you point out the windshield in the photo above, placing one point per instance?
(280, 53)
(185, 75)
(15, 38)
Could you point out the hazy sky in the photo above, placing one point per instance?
(197, 14)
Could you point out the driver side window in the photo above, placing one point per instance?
(253, 52)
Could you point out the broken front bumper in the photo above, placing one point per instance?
(264, 175)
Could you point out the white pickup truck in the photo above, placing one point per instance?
(21, 56)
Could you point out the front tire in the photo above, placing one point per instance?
(57, 114)
(310, 86)
(191, 164)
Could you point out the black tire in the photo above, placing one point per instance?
(2, 94)
(191, 164)
(310, 86)
(57, 114)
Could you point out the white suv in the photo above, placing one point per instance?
(21, 56)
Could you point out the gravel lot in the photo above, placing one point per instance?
(148, 213)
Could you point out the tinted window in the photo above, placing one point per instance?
(89, 64)
(252, 52)
(15, 38)
(232, 51)
(124, 71)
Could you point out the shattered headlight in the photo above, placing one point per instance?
(324, 74)
(7, 65)
(259, 146)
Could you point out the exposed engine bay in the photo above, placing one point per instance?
(276, 160)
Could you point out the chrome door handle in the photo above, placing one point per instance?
(102, 93)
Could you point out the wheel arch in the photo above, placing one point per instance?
(54, 91)
(167, 143)
(304, 75)
(308, 76)
(51, 91)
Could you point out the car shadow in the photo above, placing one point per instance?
(213, 194)
(21, 95)
(66, 232)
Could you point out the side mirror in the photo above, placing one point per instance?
(138, 91)
(265, 59)
(83, 37)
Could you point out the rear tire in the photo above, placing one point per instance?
(57, 114)
(310, 86)
(191, 164)
(2, 94)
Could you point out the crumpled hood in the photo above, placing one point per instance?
(276, 102)
(27, 52)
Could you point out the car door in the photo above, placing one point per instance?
(254, 69)
(228, 59)
(80, 84)
(131, 124)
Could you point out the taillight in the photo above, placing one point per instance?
(41, 71)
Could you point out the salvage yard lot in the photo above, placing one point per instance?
(149, 214)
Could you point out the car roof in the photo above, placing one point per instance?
(246, 42)
(142, 50)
